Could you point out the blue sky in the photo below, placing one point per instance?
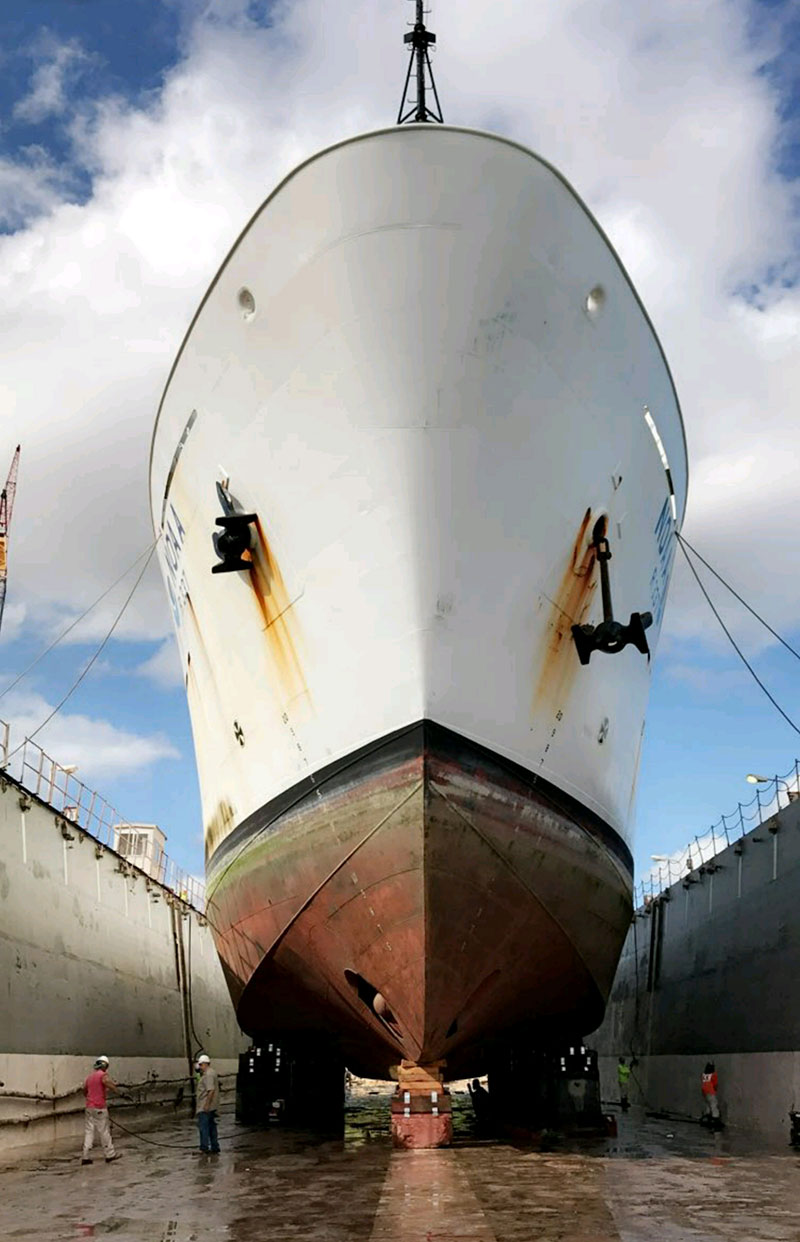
(136, 138)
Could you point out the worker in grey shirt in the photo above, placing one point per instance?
(207, 1101)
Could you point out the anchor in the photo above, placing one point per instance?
(234, 539)
(610, 635)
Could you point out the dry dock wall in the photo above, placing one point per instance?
(94, 958)
(710, 971)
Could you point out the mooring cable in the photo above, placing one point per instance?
(734, 643)
(94, 656)
(30, 667)
(736, 595)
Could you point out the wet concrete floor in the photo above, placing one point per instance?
(659, 1181)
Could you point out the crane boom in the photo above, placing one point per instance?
(6, 509)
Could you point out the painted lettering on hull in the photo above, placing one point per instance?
(659, 579)
(173, 536)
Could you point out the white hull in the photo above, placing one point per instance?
(421, 409)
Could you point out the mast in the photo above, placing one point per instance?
(420, 39)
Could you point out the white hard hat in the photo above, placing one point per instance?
(203, 1059)
(101, 1061)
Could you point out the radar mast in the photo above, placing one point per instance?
(420, 39)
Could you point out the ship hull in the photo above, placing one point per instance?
(478, 901)
(425, 375)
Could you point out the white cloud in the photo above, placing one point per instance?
(13, 621)
(662, 117)
(163, 666)
(30, 186)
(711, 682)
(58, 66)
(100, 749)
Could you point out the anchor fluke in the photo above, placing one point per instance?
(234, 539)
(610, 636)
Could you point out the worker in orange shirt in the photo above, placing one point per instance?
(708, 1086)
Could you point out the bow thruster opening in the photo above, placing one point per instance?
(374, 1000)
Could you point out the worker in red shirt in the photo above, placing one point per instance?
(708, 1086)
(95, 1089)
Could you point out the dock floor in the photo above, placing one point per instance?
(657, 1180)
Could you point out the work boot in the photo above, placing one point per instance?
(114, 1157)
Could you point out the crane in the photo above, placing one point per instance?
(6, 508)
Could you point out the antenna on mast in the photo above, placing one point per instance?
(420, 39)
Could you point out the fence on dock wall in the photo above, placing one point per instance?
(726, 831)
(140, 844)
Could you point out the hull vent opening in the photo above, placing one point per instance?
(247, 303)
(594, 301)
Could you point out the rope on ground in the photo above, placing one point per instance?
(230, 1138)
(152, 1142)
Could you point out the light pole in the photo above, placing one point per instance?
(67, 810)
(663, 858)
(753, 778)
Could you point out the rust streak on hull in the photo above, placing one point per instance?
(280, 621)
(569, 606)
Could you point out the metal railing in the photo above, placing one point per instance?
(726, 831)
(44, 778)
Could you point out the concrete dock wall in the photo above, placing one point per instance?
(709, 971)
(95, 957)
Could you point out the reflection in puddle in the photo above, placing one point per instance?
(426, 1197)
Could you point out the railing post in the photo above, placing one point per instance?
(90, 811)
(39, 771)
(49, 798)
(758, 803)
(741, 819)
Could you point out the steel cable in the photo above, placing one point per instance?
(733, 641)
(736, 595)
(94, 657)
(30, 667)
